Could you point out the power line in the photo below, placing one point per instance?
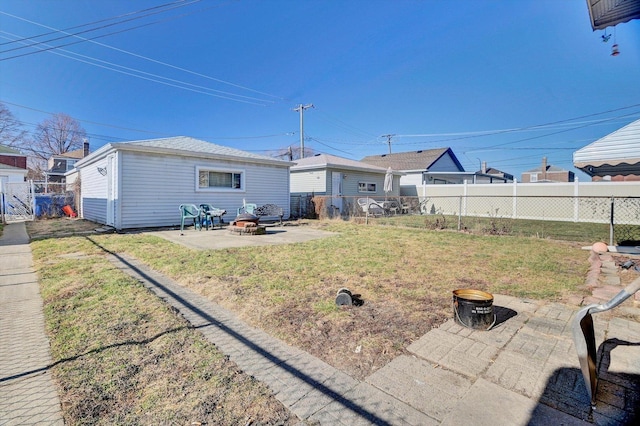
(165, 63)
(158, 79)
(67, 34)
(468, 135)
(328, 146)
(553, 133)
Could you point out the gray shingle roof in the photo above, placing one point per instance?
(192, 145)
(413, 160)
(327, 160)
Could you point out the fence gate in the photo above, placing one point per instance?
(17, 201)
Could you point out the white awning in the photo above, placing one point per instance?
(607, 13)
(616, 153)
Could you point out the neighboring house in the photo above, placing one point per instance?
(547, 173)
(340, 178)
(141, 184)
(13, 166)
(615, 157)
(424, 167)
(492, 175)
(60, 164)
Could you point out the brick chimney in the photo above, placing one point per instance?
(484, 167)
(85, 148)
(544, 168)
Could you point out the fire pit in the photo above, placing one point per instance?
(247, 224)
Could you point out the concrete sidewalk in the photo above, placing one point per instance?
(27, 393)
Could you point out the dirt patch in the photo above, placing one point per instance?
(364, 338)
(60, 227)
(628, 268)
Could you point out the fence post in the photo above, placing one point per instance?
(576, 200)
(460, 212)
(611, 224)
(515, 199)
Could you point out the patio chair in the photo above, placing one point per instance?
(209, 212)
(247, 208)
(190, 211)
(371, 206)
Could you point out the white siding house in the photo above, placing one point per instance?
(13, 166)
(340, 178)
(141, 184)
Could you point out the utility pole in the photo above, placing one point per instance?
(300, 108)
(388, 141)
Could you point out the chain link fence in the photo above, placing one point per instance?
(615, 220)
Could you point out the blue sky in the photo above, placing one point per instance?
(479, 76)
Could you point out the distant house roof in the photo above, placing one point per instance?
(331, 161)
(550, 168)
(606, 13)
(618, 153)
(5, 150)
(492, 171)
(184, 146)
(77, 154)
(413, 160)
(12, 168)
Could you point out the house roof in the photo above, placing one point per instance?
(5, 150)
(492, 171)
(413, 160)
(9, 168)
(617, 153)
(183, 146)
(77, 154)
(320, 161)
(605, 13)
(550, 168)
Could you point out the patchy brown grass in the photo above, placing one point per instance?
(405, 277)
(59, 227)
(122, 356)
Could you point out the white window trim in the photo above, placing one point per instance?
(242, 173)
(367, 184)
(533, 177)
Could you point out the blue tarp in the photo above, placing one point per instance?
(51, 204)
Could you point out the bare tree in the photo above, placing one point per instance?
(56, 135)
(11, 133)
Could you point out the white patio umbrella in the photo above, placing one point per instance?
(388, 181)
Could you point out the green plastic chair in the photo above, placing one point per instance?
(209, 213)
(190, 211)
(247, 208)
